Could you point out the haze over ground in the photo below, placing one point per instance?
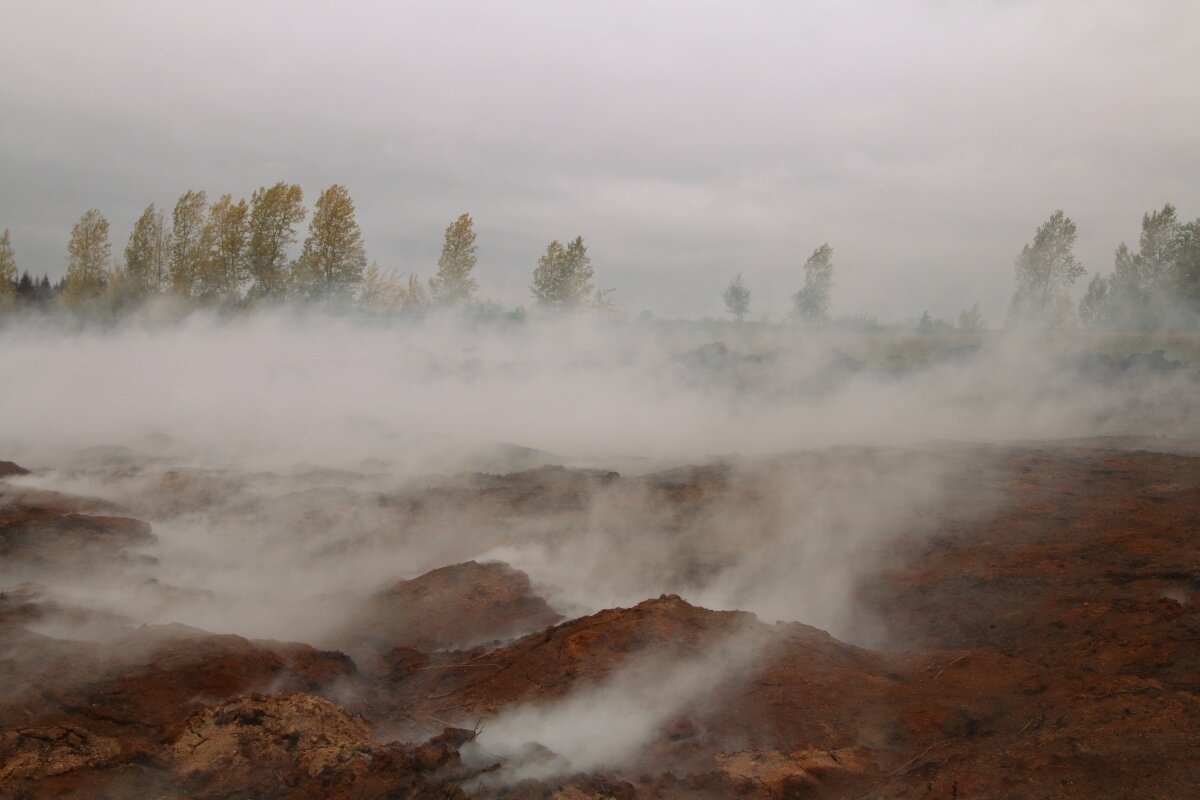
(924, 140)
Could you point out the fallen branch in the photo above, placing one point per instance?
(458, 666)
(952, 663)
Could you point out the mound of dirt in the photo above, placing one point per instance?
(9, 469)
(454, 607)
(303, 746)
(1043, 647)
(70, 709)
(788, 697)
(72, 542)
(544, 490)
(43, 532)
(295, 746)
(546, 665)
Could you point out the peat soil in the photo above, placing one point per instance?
(1045, 646)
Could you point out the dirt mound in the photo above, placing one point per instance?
(1044, 647)
(141, 686)
(32, 754)
(463, 686)
(807, 709)
(19, 503)
(544, 490)
(72, 542)
(43, 531)
(9, 469)
(1049, 644)
(295, 746)
(302, 746)
(453, 607)
(77, 708)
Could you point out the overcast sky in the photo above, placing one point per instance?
(925, 140)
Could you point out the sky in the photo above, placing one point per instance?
(925, 140)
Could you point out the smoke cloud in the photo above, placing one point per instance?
(292, 466)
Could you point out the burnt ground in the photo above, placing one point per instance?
(1046, 645)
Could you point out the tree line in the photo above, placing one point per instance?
(231, 254)
(810, 304)
(238, 254)
(1156, 286)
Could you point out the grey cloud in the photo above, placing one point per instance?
(924, 139)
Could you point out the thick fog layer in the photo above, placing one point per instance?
(292, 466)
(275, 419)
(270, 392)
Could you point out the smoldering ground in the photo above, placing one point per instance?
(417, 399)
(290, 467)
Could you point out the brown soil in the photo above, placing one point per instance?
(450, 608)
(8, 468)
(44, 532)
(1048, 648)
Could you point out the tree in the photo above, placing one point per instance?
(147, 251)
(89, 254)
(226, 233)
(563, 276)
(601, 304)
(1093, 308)
(970, 319)
(1125, 298)
(331, 264)
(1156, 285)
(811, 303)
(8, 267)
(1145, 289)
(737, 298)
(274, 213)
(453, 283)
(384, 293)
(1186, 278)
(1158, 247)
(189, 242)
(1045, 272)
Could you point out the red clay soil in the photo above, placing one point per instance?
(8, 469)
(1047, 649)
(46, 532)
(1091, 579)
(453, 607)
